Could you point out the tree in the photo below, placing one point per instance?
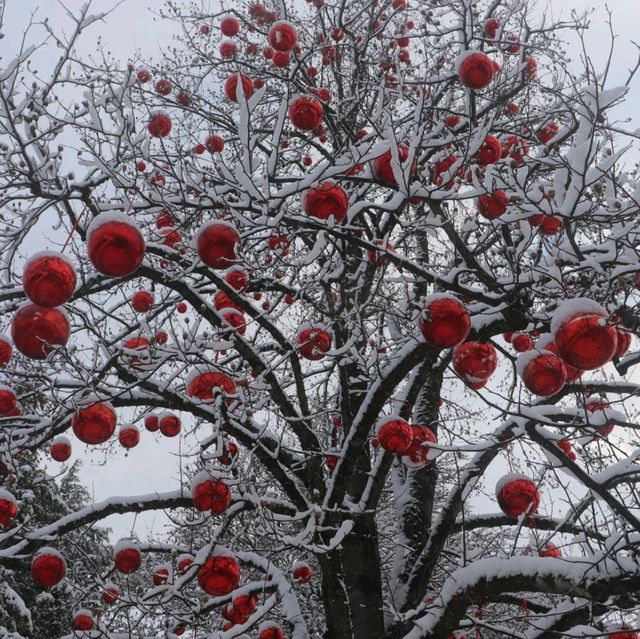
(369, 257)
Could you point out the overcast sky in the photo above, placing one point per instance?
(152, 466)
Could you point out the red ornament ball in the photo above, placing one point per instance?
(159, 125)
(214, 144)
(210, 494)
(127, 557)
(8, 401)
(6, 350)
(169, 424)
(230, 26)
(417, 454)
(110, 594)
(143, 76)
(231, 86)
(491, 28)
(395, 435)
(493, 205)
(115, 245)
(281, 59)
(48, 568)
(283, 36)
(490, 152)
(550, 550)
(207, 385)
(49, 280)
(306, 113)
(160, 576)
(475, 361)
(142, 301)
(216, 244)
(543, 373)
(325, 201)
(301, 572)
(270, 630)
(476, 70)
(445, 322)
(95, 423)
(237, 279)
(383, 169)
(313, 342)
(60, 449)
(35, 330)
(8, 508)
(624, 634)
(184, 563)
(219, 575)
(517, 495)
(521, 342)
(129, 436)
(228, 49)
(83, 620)
(546, 133)
(245, 604)
(163, 87)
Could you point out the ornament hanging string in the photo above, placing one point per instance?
(73, 229)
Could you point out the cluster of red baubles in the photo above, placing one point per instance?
(409, 441)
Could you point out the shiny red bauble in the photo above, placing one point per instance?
(493, 205)
(517, 495)
(127, 557)
(491, 28)
(515, 147)
(36, 330)
(151, 423)
(207, 385)
(60, 449)
(210, 494)
(231, 86)
(301, 572)
(115, 245)
(326, 200)
(475, 361)
(49, 280)
(8, 401)
(184, 563)
(129, 436)
(585, 341)
(214, 144)
(159, 125)
(245, 604)
(442, 167)
(313, 342)
(546, 133)
(219, 575)
(6, 351)
(306, 113)
(283, 36)
(445, 322)
(48, 568)
(83, 620)
(489, 152)
(110, 594)
(395, 435)
(228, 49)
(383, 169)
(216, 244)
(143, 75)
(281, 59)
(543, 373)
(270, 630)
(417, 455)
(94, 424)
(160, 576)
(142, 301)
(548, 345)
(169, 424)
(476, 70)
(550, 550)
(8, 508)
(547, 224)
(230, 26)
(566, 447)
(624, 634)
(235, 320)
(237, 279)
(521, 342)
(222, 300)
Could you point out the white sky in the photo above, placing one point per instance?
(152, 466)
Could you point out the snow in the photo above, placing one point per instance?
(109, 216)
(507, 479)
(570, 308)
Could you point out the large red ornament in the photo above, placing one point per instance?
(8, 508)
(475, 361)
(127, 557)
(159, 125)
(83, 620)
(582, 336)
(543, 373)
(208, 384)
(6, 350)
(445, 321)
(216, 243)
(94, 424)
(35, 330)
(164, 87)
(301, 572)
(49, 279)
(210, 494)
(475, 70)
(115, 245)
(326, 200)
(313, 342)
(270, 630)
(516, 495)
(417, 456)
(48, 568)
(169, 424)
(489, 152)
(383, 169)
(129, 436)
(283, 36)
(395, 435)
(231, 86)
(219, 575)
(493, 205)
(546, 343)
(306, 113)
(60, 449)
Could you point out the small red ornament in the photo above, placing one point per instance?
(184, 563)
(236, 320)
(8, 508)
(281, 59)
(521, 342)
(515, 147)
(417, 456)
(163, 87)
(115, 245)
(216, 244)
(182, 97)
(159, 125)
(515, 47)
(110, 594)
(8, 401)
(60, 449)
(395, 435)
(143, 76)
(229, 455)
(230, 26)
(517, 495)
(624, 634)
(383, 169)
(306, 113)
(161, 337)
(445, 322)
(83, 620)
(546, 133)
(475, 361)
(169, 424)
(166, 219)
(490, 152)
(301, 572)
(269, 630)
(550, 550)
(151, 423)
(283, 36)
(6, 350)
(127, 557)
(567, 449)
(325, 201)
(214, 144)
(49, 280)
(228, 49)
(219, 575)
(48, 568)
(548, 224)
(208, 384)
(245, 604)
(493, 205)
(491, 28)
(476, 70)
(210, 494)
(95, 423)
(231, 86)
(129, 436)
(441, 167)
(237, 279)
(543, 373)
(35, 330)
(160, 575)
(181, 307)
(313, 342)
(142, 301)
(531, 68)
(222, 300)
